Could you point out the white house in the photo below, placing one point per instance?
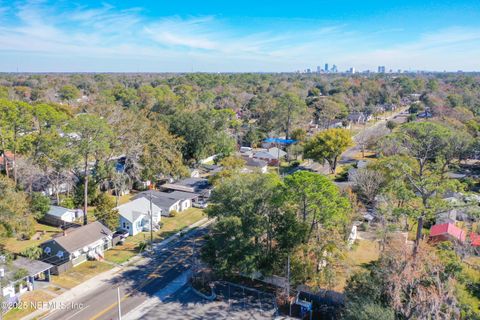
(254, 165)
(36, 274)
(339, 124)
(76, 245)
(135, 215)
(359, 117)
(186, 198)
(60, 216)
(173, 200)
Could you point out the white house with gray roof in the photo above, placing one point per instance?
(60, 216)
(169, 201)
(76, 245)
(135, 215)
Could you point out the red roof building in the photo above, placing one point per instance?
(446, 232)
(8, 156)
(475, 239)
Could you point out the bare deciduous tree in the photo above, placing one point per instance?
(367, 183)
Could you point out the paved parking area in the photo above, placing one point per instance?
(186, 304)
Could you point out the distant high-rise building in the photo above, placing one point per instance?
(381, 69)
(326, 67)
(319, 69)
(352, 70)
(309, 71)
(334, 69)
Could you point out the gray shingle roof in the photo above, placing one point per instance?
(82, 236)
(180, 195)
(136, 208)
(33, 267)
(160, 199)
(255, 163)
(189, 185)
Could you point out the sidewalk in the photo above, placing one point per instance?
(93, 283)
(148, 305)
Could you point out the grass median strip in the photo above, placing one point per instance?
(80, 273)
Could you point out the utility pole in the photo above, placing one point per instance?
(288, 275)
(278, 157)
(151, 220)
(119, 307)
(288, 286)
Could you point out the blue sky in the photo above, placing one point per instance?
(241, 36)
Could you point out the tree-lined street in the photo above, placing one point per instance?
(137, 283)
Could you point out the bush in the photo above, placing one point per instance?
(67, 202)
(39, 204)
(391, 124)
(294, 163)
(141, 246)
(343, 175)
(364, 226)
(32, 252)
(173, 213)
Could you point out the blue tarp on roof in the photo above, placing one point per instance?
(279, 141)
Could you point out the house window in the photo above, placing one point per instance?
(128, 227)
(60, 254)
(47, 250)
(124, 224)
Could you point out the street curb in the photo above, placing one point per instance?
(184, 231)
(211, 297)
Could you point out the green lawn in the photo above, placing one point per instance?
(412, 232)
(123, 199)
(80, 273)
(465, 296)
(362, 253)
(42, 233)
(171, 225)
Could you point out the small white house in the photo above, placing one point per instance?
(36, 274)
(186, 198)
(254, 165)
(135, 215)
(60, 216)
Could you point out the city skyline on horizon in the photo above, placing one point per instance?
(124, 36)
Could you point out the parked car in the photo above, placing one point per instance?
(155, 228)
(121, 233)
(200, 204)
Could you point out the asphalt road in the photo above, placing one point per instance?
(136, 284)
(185, 304)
